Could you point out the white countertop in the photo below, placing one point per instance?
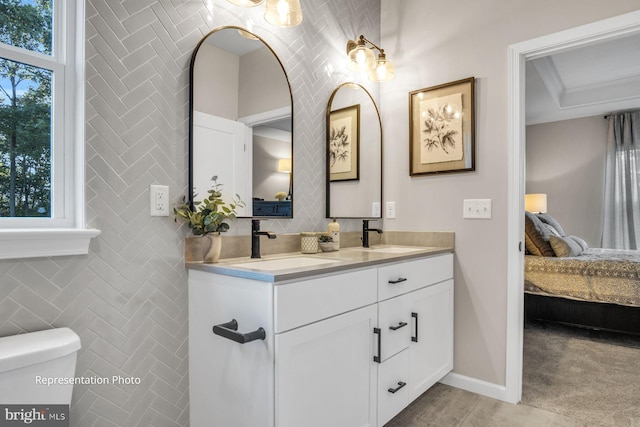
(296, 265)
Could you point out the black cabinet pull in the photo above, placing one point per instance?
(229, 330)
(400, 385)
(398, 280)
(400, 325)
(415, 316)
(378, 358)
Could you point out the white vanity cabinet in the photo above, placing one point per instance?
(334, 344)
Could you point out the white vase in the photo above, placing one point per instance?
(204, 248)
(211, 247)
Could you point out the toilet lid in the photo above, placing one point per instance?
(17, 351)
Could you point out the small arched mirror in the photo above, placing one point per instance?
(241, 123)
(354, 154)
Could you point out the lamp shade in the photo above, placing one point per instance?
(283, 13)
(284, 165)
(361, 58)
(246, 3)
(383, 71)
(535, 203)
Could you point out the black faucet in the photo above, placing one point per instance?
(255, 237)
(365, 232)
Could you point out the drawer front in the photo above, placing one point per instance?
(403, 277)
(394, 321)
(393, 396)
(308, 301)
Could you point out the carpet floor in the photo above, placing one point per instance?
(590, 376)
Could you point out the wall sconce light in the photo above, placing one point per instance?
(362, 59)
(535, 203)
(281, 13)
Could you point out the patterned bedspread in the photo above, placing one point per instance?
(602, 275)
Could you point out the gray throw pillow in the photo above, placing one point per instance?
(581, 242)
(564, 246)
(548, 219)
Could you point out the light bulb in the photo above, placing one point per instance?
(383, 71)
(283, 10)
(361, 58)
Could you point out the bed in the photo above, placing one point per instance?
(568, 282)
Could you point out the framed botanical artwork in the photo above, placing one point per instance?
(344, 144)
(442, 128)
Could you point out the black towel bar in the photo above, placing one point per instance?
(229, 330)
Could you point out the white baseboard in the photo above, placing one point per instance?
(473, 385)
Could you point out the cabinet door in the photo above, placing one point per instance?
(230, 384)
(325, 373)
(431, 349)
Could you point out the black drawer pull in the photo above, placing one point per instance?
(415, 316)
(378, 358)
(400, 385)
(398, 280)
(229, 330)
(400, 325)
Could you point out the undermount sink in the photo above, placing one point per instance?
(285, 263)
(394, 250)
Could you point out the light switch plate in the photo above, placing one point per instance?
(477, 209)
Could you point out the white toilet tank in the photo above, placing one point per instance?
(28, 361)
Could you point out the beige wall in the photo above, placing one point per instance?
(434, 42)
(217, 95)
(230, 86)
(566, 160)
(263, 84)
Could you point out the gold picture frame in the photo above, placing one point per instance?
(442, 128)
(343, 142)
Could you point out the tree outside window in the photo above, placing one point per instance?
(25, 111)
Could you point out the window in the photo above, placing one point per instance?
(41, 128)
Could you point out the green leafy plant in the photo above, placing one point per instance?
(211, 214)
(324, 238)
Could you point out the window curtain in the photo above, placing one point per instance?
(622, 182)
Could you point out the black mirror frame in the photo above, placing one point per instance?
(327, 160)
(191, 71)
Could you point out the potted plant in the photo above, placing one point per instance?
(326, 243)
(208, 218)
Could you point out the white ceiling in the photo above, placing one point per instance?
(587, 81)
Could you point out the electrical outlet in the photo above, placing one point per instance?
(158, 200)
(477, 209)
(390, 210)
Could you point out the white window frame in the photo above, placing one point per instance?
(64, 233)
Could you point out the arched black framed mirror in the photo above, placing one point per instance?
(354, 154)
(241, 123)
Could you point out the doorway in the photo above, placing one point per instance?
(620, 26)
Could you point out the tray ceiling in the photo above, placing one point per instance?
(587, 81)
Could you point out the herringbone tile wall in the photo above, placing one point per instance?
(128, 298)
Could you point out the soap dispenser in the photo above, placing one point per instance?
(334, 232)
